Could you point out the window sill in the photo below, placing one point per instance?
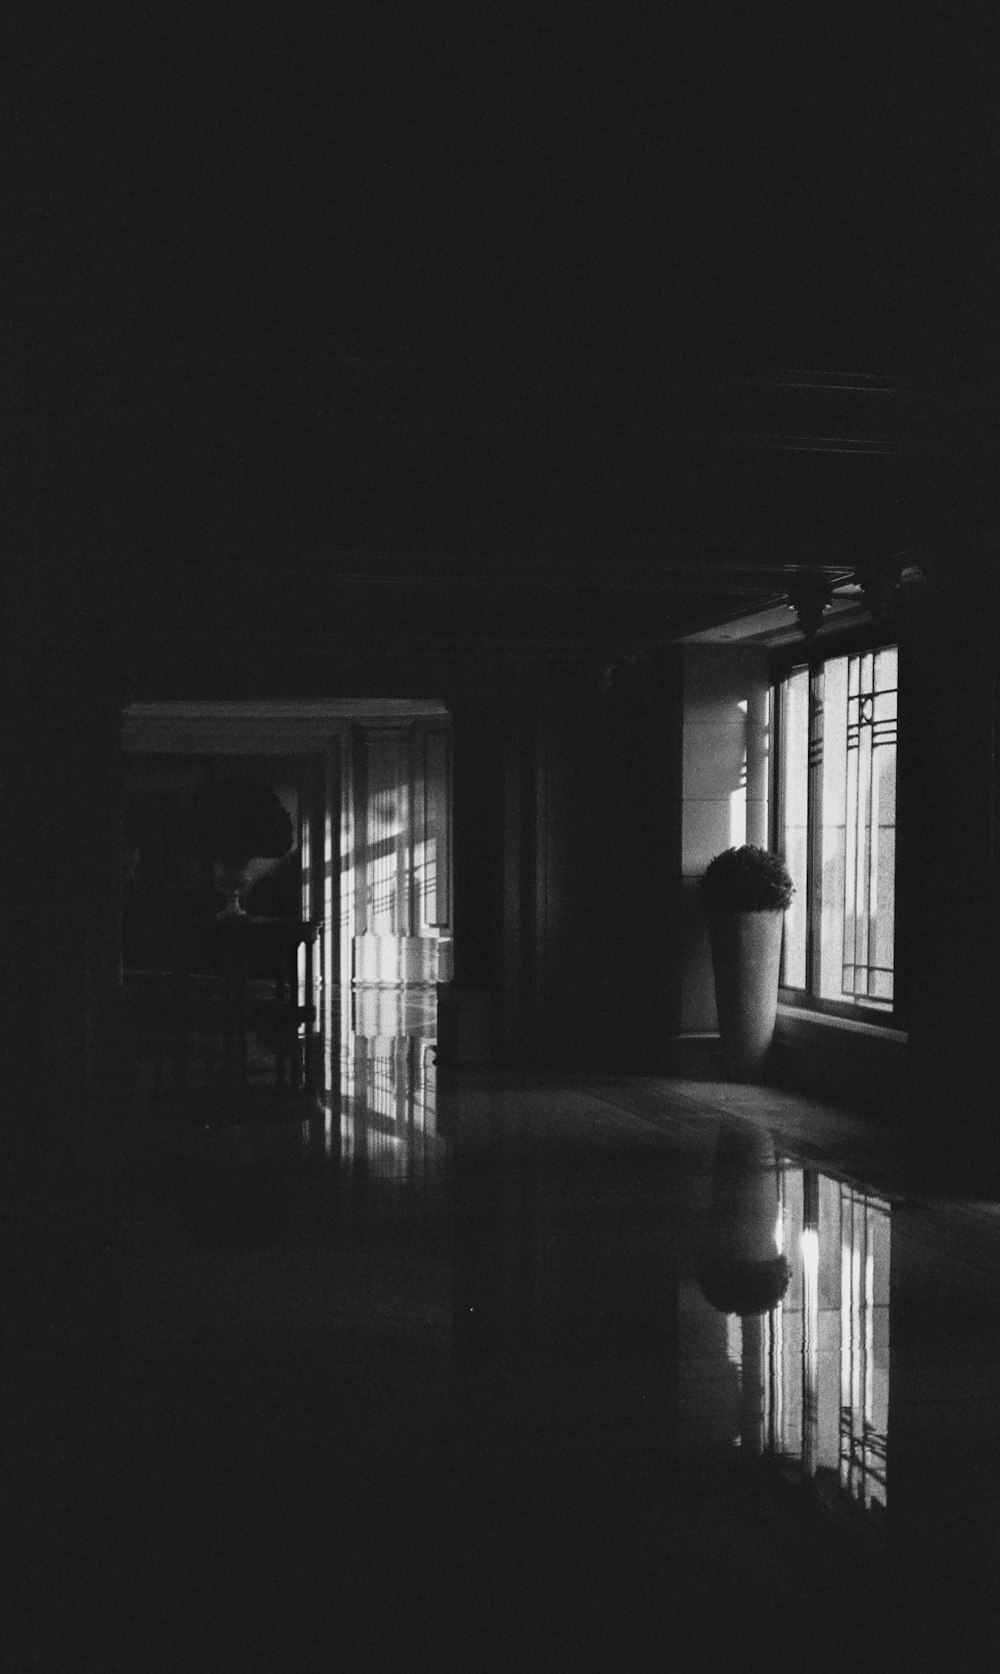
(790, 1016)
(858, 1062)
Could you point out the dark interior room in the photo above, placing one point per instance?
(463, 475)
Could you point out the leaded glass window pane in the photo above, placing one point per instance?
(833, 827)
(869, 882)
(837, 825)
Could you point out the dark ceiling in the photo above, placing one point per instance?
(544, 330)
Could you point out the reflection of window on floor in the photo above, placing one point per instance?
(836, 824)
(388, 1103)
(825, 1349)
(864, 1347)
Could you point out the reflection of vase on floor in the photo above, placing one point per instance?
(741, 1270)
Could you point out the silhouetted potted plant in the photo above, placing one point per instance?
(235, 822)
(745, 892)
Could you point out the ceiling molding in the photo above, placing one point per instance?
(257, 728)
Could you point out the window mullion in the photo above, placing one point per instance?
(776, 792)
(814, 834)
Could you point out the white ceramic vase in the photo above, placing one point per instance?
(746, 956)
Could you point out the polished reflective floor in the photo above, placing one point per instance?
(429, 1365)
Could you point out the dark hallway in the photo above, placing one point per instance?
(606, 409)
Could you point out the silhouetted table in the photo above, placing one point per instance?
(238, 977)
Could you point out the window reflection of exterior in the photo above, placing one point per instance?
(389, 1085)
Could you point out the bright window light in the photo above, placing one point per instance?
(836, 823)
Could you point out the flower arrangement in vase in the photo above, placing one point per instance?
(236, 822)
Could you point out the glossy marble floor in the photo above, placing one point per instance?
(458, 1370)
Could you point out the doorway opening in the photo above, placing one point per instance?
(367, 789)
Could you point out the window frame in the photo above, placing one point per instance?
(811, 656)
